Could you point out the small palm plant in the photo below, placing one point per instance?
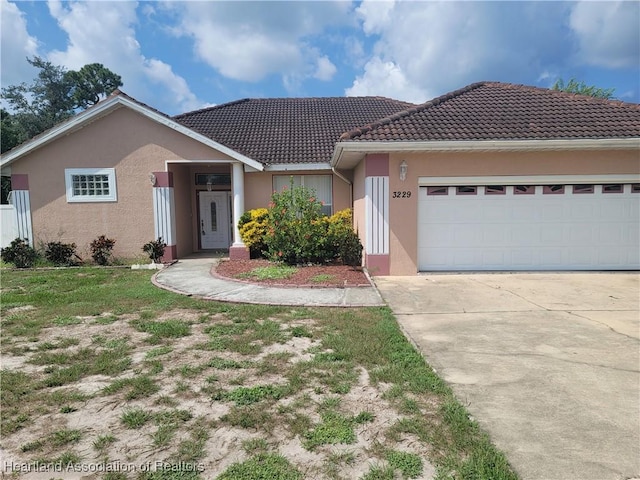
(155, 249)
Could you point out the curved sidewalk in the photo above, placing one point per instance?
(192, 276)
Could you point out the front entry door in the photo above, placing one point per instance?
(214, 220)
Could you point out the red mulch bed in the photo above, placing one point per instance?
(306, 276)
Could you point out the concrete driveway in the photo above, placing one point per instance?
(548, 364)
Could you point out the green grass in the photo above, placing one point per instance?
(248, 395)
(408, 463)
(271, 272)
(102, 442)
(263, 466)
(265, 393)
(334, 429)
(161, 330)
(323, 277)
(135, 417)
(135, 387)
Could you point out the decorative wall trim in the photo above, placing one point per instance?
(529, 180)
(378, 265)
(19, 181)
(22, 203)
(377, 215)
(164, 215)
(164, 179)
(377, 165)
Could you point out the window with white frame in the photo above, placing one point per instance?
(321, 184)
(90, 184)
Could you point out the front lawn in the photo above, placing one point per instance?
(104, 373)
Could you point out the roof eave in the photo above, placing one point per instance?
(103, 108)
(364, 147)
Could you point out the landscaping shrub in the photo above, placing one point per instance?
(60, 254)
(101, 249)
(345, 243)
(253, 226)
(296, 232)
(20, 253)
(155, 249)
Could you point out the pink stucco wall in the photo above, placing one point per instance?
(135, 146)
(403, 213)
(132, 144)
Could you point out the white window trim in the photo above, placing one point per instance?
(110, 172)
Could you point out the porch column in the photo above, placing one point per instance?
(164, 214)
(376, 188)
(22, 204)
(238, 251)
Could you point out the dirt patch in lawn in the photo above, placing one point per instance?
(217, 392)
(304, 276)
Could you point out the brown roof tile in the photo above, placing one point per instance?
(503, 111)
(288, 130)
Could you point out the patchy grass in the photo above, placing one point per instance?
(271, 272)
(323, 278)
(265, 466)
(103, 367)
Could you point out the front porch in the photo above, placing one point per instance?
(197, 206)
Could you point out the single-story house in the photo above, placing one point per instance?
(493, 176)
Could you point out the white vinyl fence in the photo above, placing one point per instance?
(8, 225)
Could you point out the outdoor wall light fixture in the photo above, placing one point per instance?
(152, 179)
(403, 170)
(209, 184)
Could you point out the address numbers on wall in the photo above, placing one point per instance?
(402, 194)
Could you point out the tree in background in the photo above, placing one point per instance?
(91, 83)
(573, 86)
(55, 95)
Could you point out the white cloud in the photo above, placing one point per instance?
(104, 32)
(608, 33)
(386, 79)
(162, 73)
(376, 15)
(17, 45)
(354, 49)
(325, 69)
(436, 47)
(250, 41)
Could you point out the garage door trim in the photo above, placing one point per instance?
(528, 180)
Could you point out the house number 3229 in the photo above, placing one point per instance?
(403, 194)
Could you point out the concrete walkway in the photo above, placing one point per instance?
(192, 276)
(548, 364)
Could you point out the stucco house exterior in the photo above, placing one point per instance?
(493, 176)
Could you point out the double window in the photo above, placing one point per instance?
(90, 184)
(320, 184)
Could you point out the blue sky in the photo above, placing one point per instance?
(180, 56)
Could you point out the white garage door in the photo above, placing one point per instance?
(529, 227)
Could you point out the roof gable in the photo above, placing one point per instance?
(282, 131)
(116, 100)
(503, 111)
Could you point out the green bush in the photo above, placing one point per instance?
(60, 254)
(296, 231)
(345, 243)
(253, 226)
(20, 253)
(293, 230)
(155, 249)
(101, 249)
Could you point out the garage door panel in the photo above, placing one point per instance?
(527, 232)
(552, 257)
(495, 235)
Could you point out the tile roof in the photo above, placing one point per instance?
(288, 130)
(503, 111)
